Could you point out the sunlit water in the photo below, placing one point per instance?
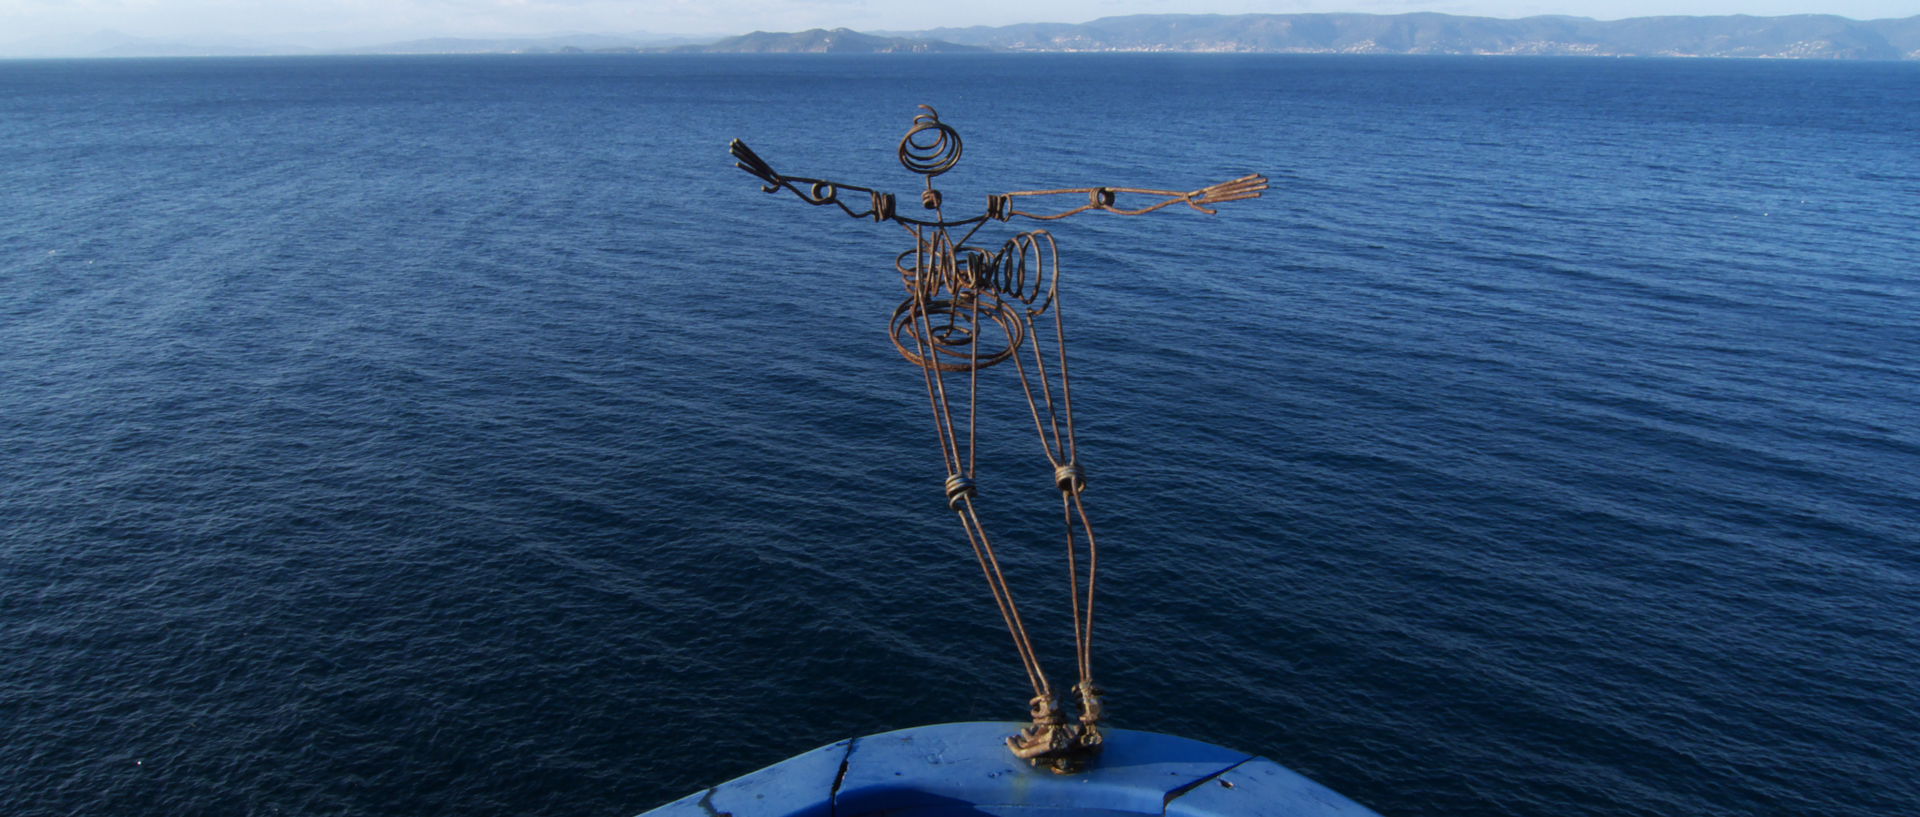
(441, 436)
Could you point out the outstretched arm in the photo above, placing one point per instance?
(879, 206)
(1107, 198)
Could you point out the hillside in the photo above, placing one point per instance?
(822, 41)
(1799, 36)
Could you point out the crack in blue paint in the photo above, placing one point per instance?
(1190, 786)
(833, 797)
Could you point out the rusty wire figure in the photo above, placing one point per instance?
(969, 308)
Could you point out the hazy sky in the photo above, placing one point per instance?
(340, 22)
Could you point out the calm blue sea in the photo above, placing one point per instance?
(465, 436)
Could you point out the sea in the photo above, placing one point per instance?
(465, 435)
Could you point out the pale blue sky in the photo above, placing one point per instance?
(327, 23)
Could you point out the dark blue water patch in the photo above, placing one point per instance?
(436, 435)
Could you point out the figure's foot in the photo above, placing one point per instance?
(1058, 748)
(1052, 743)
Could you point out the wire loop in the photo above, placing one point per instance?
(949, 330)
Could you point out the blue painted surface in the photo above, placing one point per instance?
(800, 786)
(958, 769)
(1263, 788)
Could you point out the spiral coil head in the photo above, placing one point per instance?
(930, 148)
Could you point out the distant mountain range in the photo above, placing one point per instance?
(109, 43)
(1805, 36)
(822, 41)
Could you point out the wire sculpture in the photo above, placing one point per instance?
(969, 308)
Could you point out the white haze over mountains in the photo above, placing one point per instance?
(212, 27)
(112, 43)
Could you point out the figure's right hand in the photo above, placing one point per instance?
(752, 163)
(812, 191)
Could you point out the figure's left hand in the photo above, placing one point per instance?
(1245, 187)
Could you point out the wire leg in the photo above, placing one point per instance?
(1050, 399)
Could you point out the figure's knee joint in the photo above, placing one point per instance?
(1070, 478)
(960, 489)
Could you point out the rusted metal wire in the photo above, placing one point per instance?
(968, 309)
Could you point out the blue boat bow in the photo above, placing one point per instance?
(955, 769)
